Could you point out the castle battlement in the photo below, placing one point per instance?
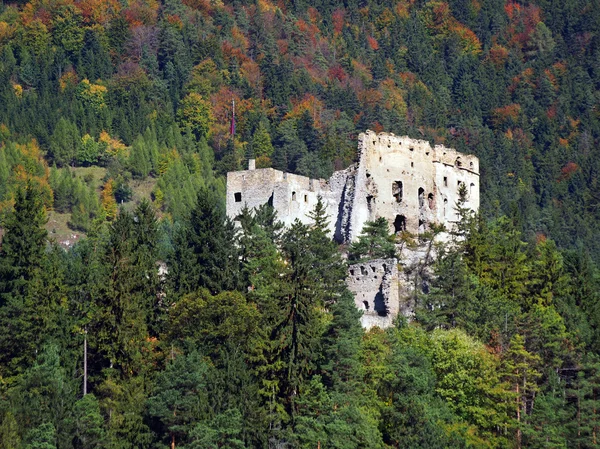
(406, 181)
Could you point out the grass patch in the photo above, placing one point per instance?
(59, 231)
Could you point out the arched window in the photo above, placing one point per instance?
(421, 197)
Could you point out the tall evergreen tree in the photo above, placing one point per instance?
(204, 253)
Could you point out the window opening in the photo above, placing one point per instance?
(421, 198)
(430, 200)
(306, 198)
(366, 304)
(293, 196)
(445, 181)
(458, 162)
(400, 223)
(397, 190)
(238, 197)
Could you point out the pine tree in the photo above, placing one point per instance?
(89, 430)
(180, 401)
(375, 242)
(520, 373)
(205, 254)
(9, 432)
(65, 142)
(24, 241)
(22, 261)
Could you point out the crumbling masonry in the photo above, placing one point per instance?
(408, 182)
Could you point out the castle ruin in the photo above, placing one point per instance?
(408, 182)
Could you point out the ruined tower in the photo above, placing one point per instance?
(408, 182)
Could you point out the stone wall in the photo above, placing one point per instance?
(375, 287)
(406, 181)
(292, 196)
(410, 183)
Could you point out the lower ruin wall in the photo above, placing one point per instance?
(374, 284)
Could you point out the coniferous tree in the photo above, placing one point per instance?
(204, 251)
(21, 263)
(65, 142)
(375, 242)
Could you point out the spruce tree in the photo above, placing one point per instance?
(205, 254)
(23, 243)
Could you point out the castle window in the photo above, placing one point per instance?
(306, 198)
(411, 149)
(366, 304)
(445, 181)
(293, 196)
(430, 200)
(363, 271)
(397, 190)
(471, 188)
(238, 197)
(380, 158)
(471, 164)
(370, 202)
(421, 197)
(412, 164)
(445, 206)
(351, 272)
(421, 226)
(374, 269)
(400, 223)
(458, 162)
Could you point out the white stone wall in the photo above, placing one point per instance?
(292, 196)
(387, 160)
(375, 288)
(363, 192)
(429, 177)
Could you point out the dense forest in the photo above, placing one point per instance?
(160, 324)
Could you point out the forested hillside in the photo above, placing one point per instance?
(116, 120)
